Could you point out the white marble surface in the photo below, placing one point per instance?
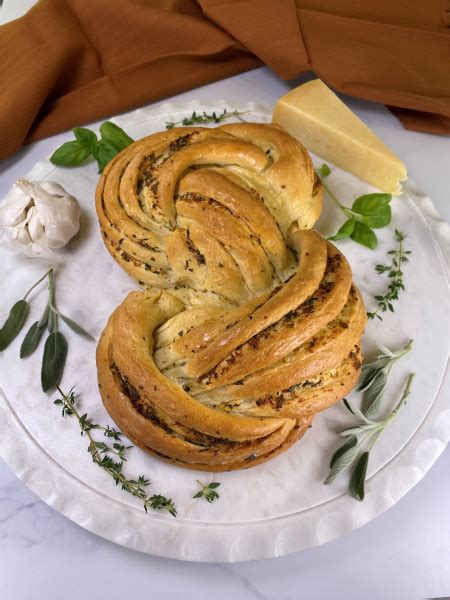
(403, 554)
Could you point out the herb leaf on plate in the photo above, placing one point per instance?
(73, 153)
(368, 212)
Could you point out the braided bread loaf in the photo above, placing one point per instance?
(249, 323)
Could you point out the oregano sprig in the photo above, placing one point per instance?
(113, 139)
(368, 212)
(111, 457)
(399, 256)
(203, 117)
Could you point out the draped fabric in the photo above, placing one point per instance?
(67, 62)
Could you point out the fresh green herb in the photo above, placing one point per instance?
(203, 117)
(55, 349)
(111, 457)
(368, 212)
(53, 361)
(324, 170)
(17, 317)
(366, 433)
(70, 154)
(374, 375)
(358, 478)
(86, 145)
(33, 337)
(208, 491)
(395, 274)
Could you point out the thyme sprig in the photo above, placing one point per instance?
(208, 491)
(203, 117)
(111, 457)
(399, 256)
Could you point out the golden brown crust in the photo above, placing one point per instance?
(250, 323)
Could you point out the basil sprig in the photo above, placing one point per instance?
(368, 212)
(85, 145)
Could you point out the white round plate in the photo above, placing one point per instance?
(270, 510)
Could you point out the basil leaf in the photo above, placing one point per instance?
(381, 219)
(105, 153)
(70, 154)
(55, 352)
(32, 339)
(350, 443)
(371, 204)
(345, 231)
(86, 137)
(342, 462)
(324, 170)
(374, 394)
(114, 136)
(357, 480)
(213, 485)
(13, 323)
(77, 328)
(364, 236)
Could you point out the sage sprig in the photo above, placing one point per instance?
(399, 256)
(113, 139)
(368, 212)
(55, 348)
(365, 434)
(203, 117)
(374, 377)
(17, 317)
(208, 491)
(111, 457)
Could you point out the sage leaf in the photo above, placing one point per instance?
(371, 204)
(364, 235)
(86, 138)
(114, 136)
(381, 219)
(52, 322)
(358, 478)
(70, 154)
(75, 327)
(342, 462)
(350, 443)
(104, 154)
(13, 323)
(31, 340)
(55, 352)
(368, 374)
(345, 231)
(374, 394)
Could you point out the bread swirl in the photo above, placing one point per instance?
(249, 322)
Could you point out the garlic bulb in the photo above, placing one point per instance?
(37, 217)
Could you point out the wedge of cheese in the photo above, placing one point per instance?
(316, 117)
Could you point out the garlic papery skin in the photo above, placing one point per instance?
(37, 217)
